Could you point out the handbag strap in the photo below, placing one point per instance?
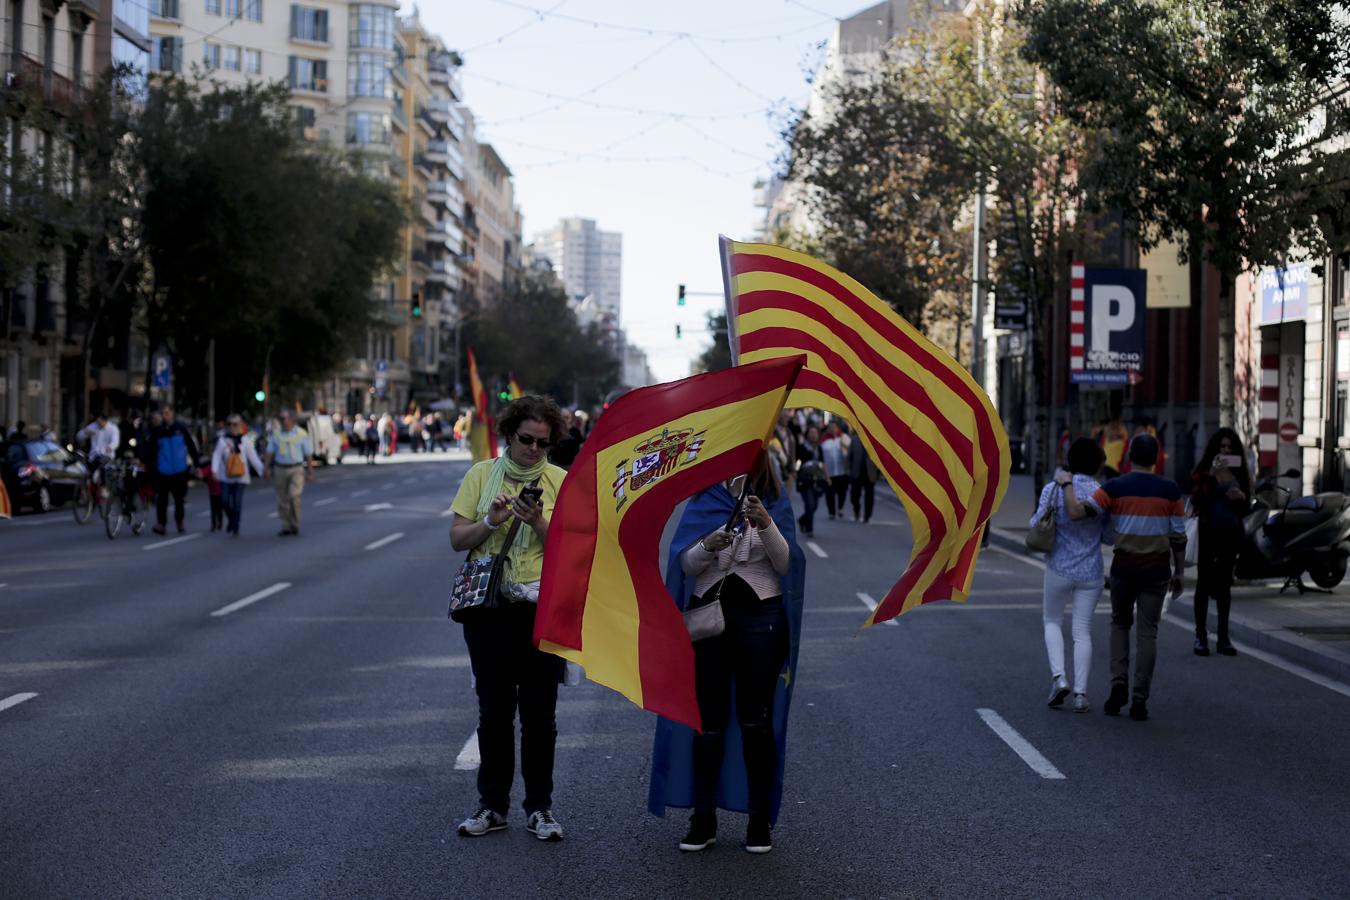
(500, 561)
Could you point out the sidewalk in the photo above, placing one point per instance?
(1312, 631)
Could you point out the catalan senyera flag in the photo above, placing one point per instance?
(603, 602)
(5, 510)
(516, 392)
(927, 424)
(482, 436)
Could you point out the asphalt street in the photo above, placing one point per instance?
(282, 717)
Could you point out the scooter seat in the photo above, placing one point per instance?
(1302, 518)
(1310, 502)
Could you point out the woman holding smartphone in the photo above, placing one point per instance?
(508, 671)
(1220, 498)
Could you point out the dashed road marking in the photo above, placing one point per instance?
(171, 541)
(252, 598)
(468, 758)
(871, 604)
(326, 501)
(375, 545)
(359, 493)
(1034, 563)
(16, 699)
(817, 550)
(376, 507)
(1020, 745)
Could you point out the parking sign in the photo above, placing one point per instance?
(1106, 325)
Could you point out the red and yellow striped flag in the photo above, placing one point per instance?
(482, 436)
(927, 424)
(5, 510)
(602, 600)
(514, 387)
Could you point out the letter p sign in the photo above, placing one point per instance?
(1109, 327)
(1112, 310)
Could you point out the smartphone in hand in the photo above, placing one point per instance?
(1229, 461)
(531, 495)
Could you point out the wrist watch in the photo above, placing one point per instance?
(487, 520)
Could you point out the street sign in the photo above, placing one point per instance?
(1010, 308)
(1284, 294)
(381, 365)
(1106, 325)
(34, 387)
(1288, 431)
(162, 372)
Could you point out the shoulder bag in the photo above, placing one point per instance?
(705, 620)
(475, 586)
(1041, 537)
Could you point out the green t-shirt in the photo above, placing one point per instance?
(524, 566)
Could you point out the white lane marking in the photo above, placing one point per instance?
(817, 550)
(327, 501)
(1034, 563)
(468, 756)
(204, 514)
(1270, 659)
(272, 515)
(386, 486)
(376, 507)
(16, 699)
(4, 583)
(359, 493)
(375, 545)
(871, 604)
(171, 541)
(1020, 745)
(252, 598)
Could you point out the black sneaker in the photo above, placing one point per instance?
(758, 836)
(1116, 702)
(1139, 711)
(1226, 649)
(481, 823)
(702, 833)
(1202, 647)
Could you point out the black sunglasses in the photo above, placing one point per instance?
(529, 440)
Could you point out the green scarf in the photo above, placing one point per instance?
(503, 466)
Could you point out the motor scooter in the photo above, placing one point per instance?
(1287, 537)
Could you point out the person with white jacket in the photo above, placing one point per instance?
(232, 463)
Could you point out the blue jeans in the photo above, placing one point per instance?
(810, 500)
(232, 499)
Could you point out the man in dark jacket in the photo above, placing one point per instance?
(174, 453)
(862, 479)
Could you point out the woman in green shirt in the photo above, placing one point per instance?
(508, 670)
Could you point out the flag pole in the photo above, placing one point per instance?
(724, 248)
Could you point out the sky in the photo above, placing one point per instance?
(653, 119)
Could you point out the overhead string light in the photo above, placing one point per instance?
(658, 32)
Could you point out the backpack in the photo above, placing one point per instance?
(234, 463)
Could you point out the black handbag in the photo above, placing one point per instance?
(475, 586)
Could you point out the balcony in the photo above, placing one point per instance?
(455, 168)
(400, 73)
(443, 193)
(446, 233)
(399, 117)
(444, 272)
(163, 9)
(57, 91)
(441, 71)
(439, 110)
(397, 167)
(437, 152)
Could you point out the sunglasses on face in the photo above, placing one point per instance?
(529, 440)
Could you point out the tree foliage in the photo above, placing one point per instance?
(718, 355)
(531, 330)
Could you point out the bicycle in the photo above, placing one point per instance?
(125, 500)
(90, 495)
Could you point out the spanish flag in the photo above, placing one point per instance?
(483, 434)
(516, 392)
(602, 600)
(927, 424)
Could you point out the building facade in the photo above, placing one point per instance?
(588, 261)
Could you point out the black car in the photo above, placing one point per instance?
(40, 474)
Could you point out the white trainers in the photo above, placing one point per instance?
(543, 826)
(482, 822)
(1080, 703)
(1059, 689)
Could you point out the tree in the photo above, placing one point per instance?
(531, 330)
(717, 356)
(1214, 125)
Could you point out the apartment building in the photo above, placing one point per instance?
(49, 53)
(588, 261)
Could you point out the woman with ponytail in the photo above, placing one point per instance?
(508, 671)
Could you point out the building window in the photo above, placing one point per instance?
(367, 128)
(305, 119)
(253, 62)
(211, 55)
(232, 63)
(164, 9)
(253, 10)
(372, 27)
(308, 74)
(213, 7)
(368, 75)
(167, 55)
(16, 27)
(233, 8)
(309, 24)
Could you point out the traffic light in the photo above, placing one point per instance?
(416, 305)
(260, 396)
(678, 335)
(680, 301)
(503, 395)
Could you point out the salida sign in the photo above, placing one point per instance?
(1106, 325)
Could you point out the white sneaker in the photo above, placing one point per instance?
(543, 826)
(481, 822)
(1059, 689)
(1080, 703)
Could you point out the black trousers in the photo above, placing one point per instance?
(867, 492)
(1214, 578)
(164, 486)
(753, 649)
(510, 674)
(835, 494)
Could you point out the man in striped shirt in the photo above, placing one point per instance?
(1150, 544)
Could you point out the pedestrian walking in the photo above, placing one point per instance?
(1073, 570)
(834, 449)
(290, 461)
(862, 479)
(811, 480)
(207, 474)
(234, 460)
(746, 569)
(1222, 488)
(383, 427)
(510, 673)
(175, 453)
(1150, 545)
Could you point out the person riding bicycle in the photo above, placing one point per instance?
(104, 437)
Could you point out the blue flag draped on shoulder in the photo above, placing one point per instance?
(672, 782)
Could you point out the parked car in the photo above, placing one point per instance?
(40, 474)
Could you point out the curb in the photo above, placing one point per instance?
(1275, 640)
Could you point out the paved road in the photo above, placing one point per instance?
(304, 744)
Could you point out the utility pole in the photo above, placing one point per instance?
(978, 261)
(211, 382)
